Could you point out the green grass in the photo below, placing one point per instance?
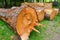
(5, 32)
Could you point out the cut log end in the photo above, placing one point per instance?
(39, 7)
(25, 22)
(50, 14)
(40, 15)
(22, 20)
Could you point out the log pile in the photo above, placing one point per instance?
(23, 19)
(47, 10)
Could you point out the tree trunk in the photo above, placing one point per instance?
(21, 19)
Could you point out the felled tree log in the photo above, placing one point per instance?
(21, 19)
(50, 13)
(39, 7)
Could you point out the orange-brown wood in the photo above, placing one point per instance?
(40, 14)
(56, 10)
(24, 18)
(39, 7)
(34, 4)
(26, 22)
(50, 14)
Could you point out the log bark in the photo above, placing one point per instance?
(45, 5)
(9, 15)
(21, 19)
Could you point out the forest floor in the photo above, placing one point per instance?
(49, 31)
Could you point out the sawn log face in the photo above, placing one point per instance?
(21, 19)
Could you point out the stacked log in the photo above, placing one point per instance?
(50, 14)
(43, 9)
(39, 7)
(21, 19)
(45, 5)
